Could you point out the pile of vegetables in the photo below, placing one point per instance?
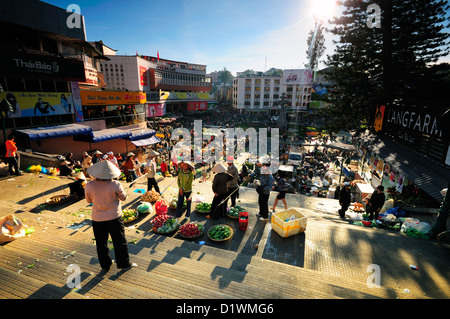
(173, 203)
(191, 230)
(151, 196)
(164, 224)
(220, 232)
(234, 211)
(129, 215)
(203, 208)
(358, 207)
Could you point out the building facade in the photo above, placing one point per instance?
(170, 86)
(258, 92)
(53, 94)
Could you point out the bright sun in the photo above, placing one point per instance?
(323, 9)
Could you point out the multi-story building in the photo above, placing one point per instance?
(170, 86)
(52, 90)
(258, 92)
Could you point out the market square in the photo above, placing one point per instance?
(144, 177)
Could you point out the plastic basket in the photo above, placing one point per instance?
(288, 228)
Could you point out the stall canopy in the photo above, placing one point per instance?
(146, 141)
(340, 146)
(45, 132)
(427, 174)
(141, 134)
(109, 134)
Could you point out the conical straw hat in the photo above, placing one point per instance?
(189, 163)
(104, 170)
(153, 153)
(219, 168)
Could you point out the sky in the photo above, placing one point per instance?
(232, 34)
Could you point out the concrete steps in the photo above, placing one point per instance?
(168, 268)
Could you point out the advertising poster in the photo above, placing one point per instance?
(157, 109)
(76, 102)
(165, 95)
(197, 106)
(297, 76)
(27, 104)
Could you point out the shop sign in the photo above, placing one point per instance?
(112, 98)
(409, 124)
(91, 76)
(42, 67)
(423, 123)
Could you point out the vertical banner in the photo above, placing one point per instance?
(76, 101)
(143, 75)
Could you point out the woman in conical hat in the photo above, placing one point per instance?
(220, 189)
(152, 153)
(106, 195)
(104, 170)
(219, 168)
(77, 187)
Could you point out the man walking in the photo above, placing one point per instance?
(11, 153)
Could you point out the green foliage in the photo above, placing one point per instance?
(371, 66)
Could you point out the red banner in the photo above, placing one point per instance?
(197, 106)
(157, 109)
(143, 73)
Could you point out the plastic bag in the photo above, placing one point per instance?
(11, 228)
(396, 211)
(160, 207)
(387, 205)
(418, 230)
(145, 208)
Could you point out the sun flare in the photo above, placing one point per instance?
(323, 9)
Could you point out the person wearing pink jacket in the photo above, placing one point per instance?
(106, 195)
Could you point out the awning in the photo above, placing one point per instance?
(427, 174)
(340, 146)
(45, 132)
(146, 141)
(141, 134)
(109, 134)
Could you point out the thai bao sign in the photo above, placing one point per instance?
(42, 67)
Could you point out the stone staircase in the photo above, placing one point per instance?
(168, 268)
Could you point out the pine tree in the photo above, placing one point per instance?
(382, 65)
